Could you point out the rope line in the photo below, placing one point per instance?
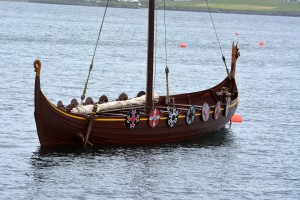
(223, 58)
(155, 50)
(91, 65)
(166, 52)
(100, 29)
(165, 32)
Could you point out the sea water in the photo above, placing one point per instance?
(257, 159)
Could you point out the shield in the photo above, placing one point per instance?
(190, 115)
(132, 119)
(205, 112)
(217, 110)
(228, 102)
(173, 116)
(154, 117)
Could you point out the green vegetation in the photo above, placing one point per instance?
(241, 6)
(274, 7)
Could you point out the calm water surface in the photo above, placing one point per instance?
(258, 159)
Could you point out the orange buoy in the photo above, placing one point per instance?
(236, 118)
(261, 43)
(182, 45)
(237, 33)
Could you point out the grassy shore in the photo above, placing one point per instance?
(268, 7)
(275, 7)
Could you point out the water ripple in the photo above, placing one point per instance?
(258, 159)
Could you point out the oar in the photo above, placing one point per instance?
(90, 125)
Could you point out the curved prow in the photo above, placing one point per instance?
(37, 97)
(234, 56)
(37, 66)
(37, 88)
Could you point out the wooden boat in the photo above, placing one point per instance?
(169, 118)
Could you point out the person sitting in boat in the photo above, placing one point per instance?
(60, 105)
(103, 99)
(141, 93)
(89, 101)
(122, 97)
(73, 104)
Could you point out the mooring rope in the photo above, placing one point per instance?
(223, 58)
(91, 65)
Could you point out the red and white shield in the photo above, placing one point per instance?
(154, 118)
(205, 111)
(217, 110)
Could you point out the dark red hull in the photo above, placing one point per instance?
(58, 127)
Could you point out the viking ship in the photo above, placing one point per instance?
(146, 119)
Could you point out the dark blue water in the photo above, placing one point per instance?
(258, 159)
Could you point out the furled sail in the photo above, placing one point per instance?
(110, 106)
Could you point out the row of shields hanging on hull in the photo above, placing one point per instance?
(133, 116)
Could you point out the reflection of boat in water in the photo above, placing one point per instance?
(222, 137)
(143, 120)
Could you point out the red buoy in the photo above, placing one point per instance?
(237, 33)
(182, 45)
(236, 118)
(261, 43)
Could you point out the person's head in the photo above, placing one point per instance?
(89, 101)
(123, 97)
(103, 99)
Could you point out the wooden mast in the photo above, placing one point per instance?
(149, 91)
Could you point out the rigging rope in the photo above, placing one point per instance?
(165, 33)
(166, 52)
(91, 65)
(155, 50)
(223, 58)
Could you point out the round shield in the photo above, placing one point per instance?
(217, 110)
(173, 116)
(190, 115)
(154, 118)
(228, 102)
(132, 119)
(205, 112)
